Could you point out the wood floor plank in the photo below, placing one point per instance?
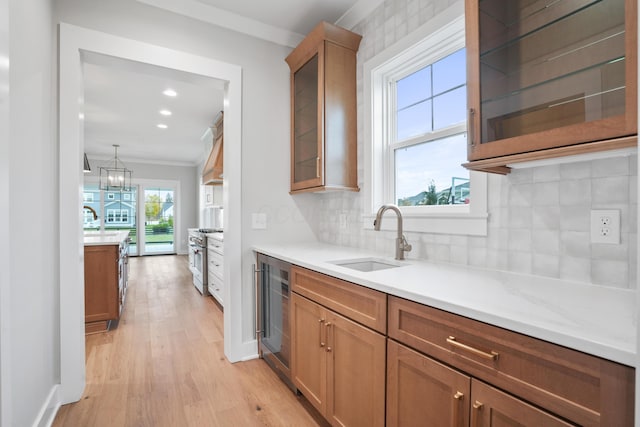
(164, 364)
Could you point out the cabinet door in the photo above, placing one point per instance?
(308, 353)
(306, 150)
(356, 373)
(101, 283)
(544, 76)
(493, 408)
(423, 392)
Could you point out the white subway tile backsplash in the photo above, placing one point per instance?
(610, 273)
(546, 173)
(546, 242)
(538, 217)
(577, 269)
(578, 170)
(575, 192)
(575, 218)
(610, 167)
(546, 265)
(575, 244)
(610, 190)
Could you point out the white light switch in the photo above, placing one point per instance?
(259, 221)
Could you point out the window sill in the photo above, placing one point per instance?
(449, 223)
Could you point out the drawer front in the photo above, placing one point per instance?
(216, 287)
(364, 305)
(216, 263)
(582, 388)
(215, 245)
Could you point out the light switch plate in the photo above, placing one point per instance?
(605, 226)
(259, 221)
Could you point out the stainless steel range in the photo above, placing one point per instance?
(198, 258)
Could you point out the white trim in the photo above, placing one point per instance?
(467, 220)
(229, 20)
(49, 409)
(74, 40)
(6, 397)
(360, 10)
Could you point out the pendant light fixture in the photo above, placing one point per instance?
(115, 176)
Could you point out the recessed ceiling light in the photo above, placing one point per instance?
(81, 116)
(170, 92)
(162, 126)
(165, 112)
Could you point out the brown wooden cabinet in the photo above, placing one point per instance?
(423, 392)
(491, 407)
(213, 170)
(323, 110)
(104, 286)
(583, 389)
(549, 81)
(337, 364)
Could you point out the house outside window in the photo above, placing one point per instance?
(416, 133)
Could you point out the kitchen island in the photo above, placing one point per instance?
(105, 278)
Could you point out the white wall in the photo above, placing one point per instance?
(265, 119)
(188, 179)
(32, 204)
(5, 262)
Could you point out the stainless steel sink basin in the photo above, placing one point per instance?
(367, 264)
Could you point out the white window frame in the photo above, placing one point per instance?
(436, 39)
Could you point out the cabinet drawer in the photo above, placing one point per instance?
(364, 305)
(215, 245)
(216, 263)
(584, 389)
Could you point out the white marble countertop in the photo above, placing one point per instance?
(96, 238)
(594, 319)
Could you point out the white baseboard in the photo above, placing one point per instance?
(49, 409)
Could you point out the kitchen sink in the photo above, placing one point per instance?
(367, 264)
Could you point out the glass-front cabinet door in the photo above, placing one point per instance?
(306, 168)
(545, 74)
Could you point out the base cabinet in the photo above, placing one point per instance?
(492, 408)
(338, 365)
(103, 284)
(424, 392)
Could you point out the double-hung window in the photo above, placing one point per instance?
(416, 132)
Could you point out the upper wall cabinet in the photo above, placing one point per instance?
(214, 168)
(323, 110)
(549, 79)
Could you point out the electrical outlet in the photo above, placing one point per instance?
(605, 226)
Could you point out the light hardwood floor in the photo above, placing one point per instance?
(164, 364)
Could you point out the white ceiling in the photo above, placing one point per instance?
(123, 98)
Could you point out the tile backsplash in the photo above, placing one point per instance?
(539, 223)
(538, 217)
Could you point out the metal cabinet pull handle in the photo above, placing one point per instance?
(458, 399)
(329, 349)
(475, 415)
(317, 167)
(320, 322)
(493, 355)
(471, 127)
(258, 325)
